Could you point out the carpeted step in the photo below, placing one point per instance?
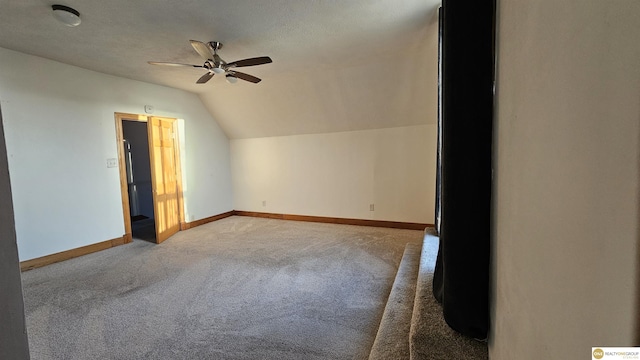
(392, 339)
(431, 337)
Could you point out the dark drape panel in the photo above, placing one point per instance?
(461, 280)
(438, 209)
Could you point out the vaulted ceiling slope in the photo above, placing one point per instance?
(337, 65)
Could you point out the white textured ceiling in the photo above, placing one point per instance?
(337, 65)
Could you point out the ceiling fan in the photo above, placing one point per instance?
(215, 65)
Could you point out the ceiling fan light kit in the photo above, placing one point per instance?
(66, 15)
(214, 64)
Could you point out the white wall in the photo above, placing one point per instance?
(566, 206)
(339, 174)
(60, 129)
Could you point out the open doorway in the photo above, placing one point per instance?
(155, 171)
(138, 169)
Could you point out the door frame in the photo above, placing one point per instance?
(124, 188)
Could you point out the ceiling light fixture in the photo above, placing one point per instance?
(218, 70)
(66, 15)
(231, 79)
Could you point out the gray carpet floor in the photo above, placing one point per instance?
(238, 288)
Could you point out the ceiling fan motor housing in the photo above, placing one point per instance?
(215, 45)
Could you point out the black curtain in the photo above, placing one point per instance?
(461, 281)
(438, 211)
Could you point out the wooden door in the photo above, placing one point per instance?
(163, 176)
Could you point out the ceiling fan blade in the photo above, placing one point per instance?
(250, 62)
(204, 78)
(173, 64)
(202, 49)
(246, 77)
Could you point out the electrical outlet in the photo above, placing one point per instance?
(371, 207)
(111, 163)
(264, 202)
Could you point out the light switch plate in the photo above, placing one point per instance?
(111, 163)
